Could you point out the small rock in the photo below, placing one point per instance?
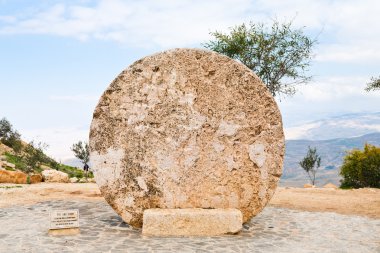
(83, 180)
(74, 180)
(8, 164)
(55, 176)
(308, 186)
(35, 178)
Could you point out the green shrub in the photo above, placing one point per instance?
(361, 168)
(16, 160)
(72, 171)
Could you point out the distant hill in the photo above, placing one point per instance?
(332, 152)
(17, 155)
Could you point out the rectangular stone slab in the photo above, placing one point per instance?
(191, 222)
(64, 231)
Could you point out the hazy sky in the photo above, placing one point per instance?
(57, 57)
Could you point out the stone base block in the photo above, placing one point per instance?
(64, 231)
(191, 222)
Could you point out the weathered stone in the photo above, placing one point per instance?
(186, 128)
(191, 222)
(8, 164)
(83, 180)
(35, 178)
(55, 176)
(13, 177)
(74, 180)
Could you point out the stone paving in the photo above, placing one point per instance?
(24, 229)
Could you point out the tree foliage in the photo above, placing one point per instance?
(9, 136)
(34, 155)
(374, 84)
(310, 163)
(361, 168)
(81, 151)
(279, 55)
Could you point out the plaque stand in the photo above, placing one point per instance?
(64, 231)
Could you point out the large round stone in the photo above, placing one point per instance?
(186, 128)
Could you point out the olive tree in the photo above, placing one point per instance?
(9, 136)
(81, 151)
(279, 55)
(374, 84)
(310, 163)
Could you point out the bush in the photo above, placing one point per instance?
(361, 168)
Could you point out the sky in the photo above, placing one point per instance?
(57, 57)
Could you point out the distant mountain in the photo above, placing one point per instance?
(74, 162)
(332, 153)
(343, 126)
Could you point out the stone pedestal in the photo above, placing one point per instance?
(191, 222)
(64, 231)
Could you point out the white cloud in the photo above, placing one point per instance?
(358, 125)
(326, 97)
(368, 52)
(348, 28)
(333, 88)
(351, 125)
(349, 25)
(59, 140)
(140, 23)
(299, 132)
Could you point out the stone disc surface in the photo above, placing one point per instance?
(186, 128)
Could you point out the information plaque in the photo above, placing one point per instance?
(64, 219)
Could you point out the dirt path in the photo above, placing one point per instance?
(30, 194)
(364, 202)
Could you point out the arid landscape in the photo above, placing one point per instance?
(362, 202)
(190, 126)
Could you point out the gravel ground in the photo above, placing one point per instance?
(25, 229)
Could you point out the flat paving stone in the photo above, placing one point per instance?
(25, 229)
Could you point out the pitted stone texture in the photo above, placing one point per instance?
(186, 128)
(191, 222)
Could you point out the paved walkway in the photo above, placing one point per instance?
(24, 229)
